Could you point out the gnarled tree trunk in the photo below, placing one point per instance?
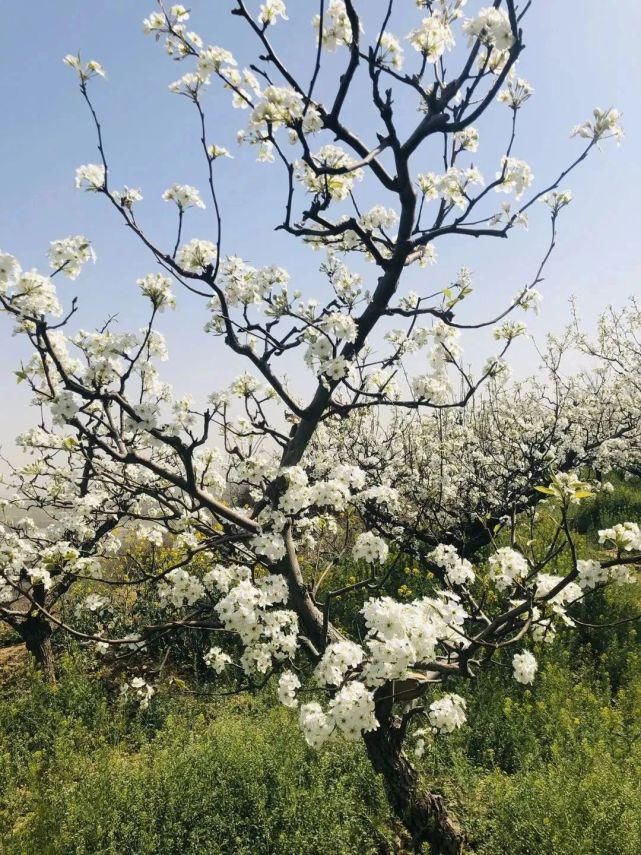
(423, 813)
(36, 633)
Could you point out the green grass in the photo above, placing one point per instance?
(554, 769)
(80, 775)
(551, 769)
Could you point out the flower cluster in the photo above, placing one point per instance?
(339, 658)
(271, 10)
(196, 255)
(157, 288)
(492, 27)
(181, 588)
(33, 295)
(591, 574)
(184, 195)
(217, 659)
(557, 199)
(433, 37)
(244, 284)
(90, 176)
(370, 548)
(452, 186)
(144, 691)
(9, 271)
(524, 667)
(606, 124)
(403, 634)
(321, 179)
(40, 576)
(93, 603)
(282, 106)
(458, 571)
(467, 139)
(69, 254)
(626, 536)
(515, 176)
(85, 71)
(390, 52)
(315, 725)
(508, 566)
(447, 714)
(516, 92)
(337, 28)
(436, 386)
(351, 712)
(212, 59)
(288, 685)
(127, 197)
(267, 633)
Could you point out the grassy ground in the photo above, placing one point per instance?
(86, 774)
(552, 769)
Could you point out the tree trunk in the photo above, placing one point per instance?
(36, 633)
(423, 813)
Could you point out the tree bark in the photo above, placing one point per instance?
(423, 813)
(36, 634)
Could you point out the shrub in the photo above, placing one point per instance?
(231, 778)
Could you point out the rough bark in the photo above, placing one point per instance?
(423, 813)
(36, 634)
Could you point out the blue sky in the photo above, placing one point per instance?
(578, 55)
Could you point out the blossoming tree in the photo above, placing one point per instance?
(117, 445)
(459, 476)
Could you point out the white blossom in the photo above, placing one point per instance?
(625, 536)
(157, 288)
(492, 27)
(181, 588)
(9, 271)
(69, 254)
(370, 548)
(288, 684)
(35, 295)
(339, 658)
(315, 725)
(90, 176)
(508, 566)
(515, 176)
(217, 659)
(212, 58)
(467, 139)
(144, 691)
(458, 570)
(524, 667)
(516, 92)
(271, 10)
(447, 714)
(196, 255)
(433, 37)
(184, 195)
(337, 29)
(336, 185)
(352, 710)
(606, 124)
(85, 71)
(390, 52)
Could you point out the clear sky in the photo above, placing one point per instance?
(579, 54)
